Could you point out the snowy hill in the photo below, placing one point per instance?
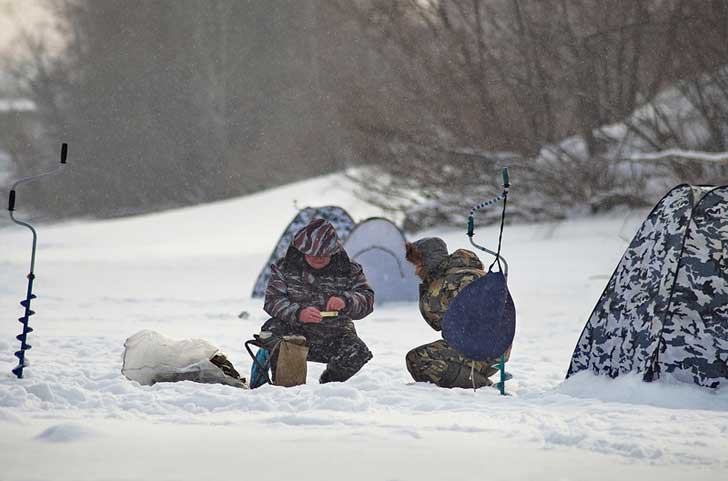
(188, 273)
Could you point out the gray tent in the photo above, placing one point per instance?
(379, 246)
(664, 312)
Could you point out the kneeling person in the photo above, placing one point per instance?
(443, 277)
(317, 275)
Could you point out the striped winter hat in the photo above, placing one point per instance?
(318, 239)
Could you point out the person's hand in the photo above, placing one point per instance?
(310, 314)
(335, 304)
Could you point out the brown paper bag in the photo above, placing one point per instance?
(291, 365)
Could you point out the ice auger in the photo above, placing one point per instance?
(23, 337)
(480, 322)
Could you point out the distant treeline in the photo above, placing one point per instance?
(175, 102)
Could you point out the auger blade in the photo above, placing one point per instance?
(26, 302)
(24, 322)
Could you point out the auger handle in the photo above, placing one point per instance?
(471, 220)
(64, 159)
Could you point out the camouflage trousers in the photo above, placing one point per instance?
(334, 343)
(440, 364)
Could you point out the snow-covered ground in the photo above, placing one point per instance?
(188, 273)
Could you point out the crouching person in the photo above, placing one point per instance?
(443, 277)
(317, 275)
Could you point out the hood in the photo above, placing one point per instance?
(431, 251)
(318, 238)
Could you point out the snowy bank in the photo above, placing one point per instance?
(187, 274)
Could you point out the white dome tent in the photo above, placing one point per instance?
(379, 246)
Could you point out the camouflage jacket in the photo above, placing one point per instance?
(294, 286)
(454, 273)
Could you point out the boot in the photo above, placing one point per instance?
(463, 375)
(332, 375)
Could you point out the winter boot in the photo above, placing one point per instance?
(332, 375)
(464, 376)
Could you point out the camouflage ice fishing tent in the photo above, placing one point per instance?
(379, 246)
(664, 312)
(338, 217)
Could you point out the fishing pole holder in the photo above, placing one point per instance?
(23, 336)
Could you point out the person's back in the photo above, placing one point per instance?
(441, 286)
(443, 277)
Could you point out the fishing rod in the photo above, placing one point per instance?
(23, 337)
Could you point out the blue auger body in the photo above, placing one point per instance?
(504, 376)
(23, 337)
